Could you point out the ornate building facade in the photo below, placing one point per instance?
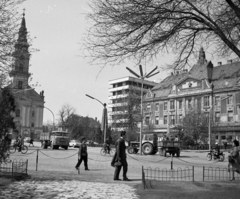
(29, 104)
(216, 90)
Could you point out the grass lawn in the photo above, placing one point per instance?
(190, 190)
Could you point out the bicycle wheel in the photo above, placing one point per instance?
(103, 152)
(112, 152)
(12, 149)
(24, 149)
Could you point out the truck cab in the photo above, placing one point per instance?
(59, 139)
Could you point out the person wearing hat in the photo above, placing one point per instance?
(82, 154)
(120, 158)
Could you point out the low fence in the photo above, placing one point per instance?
(14, 168)
(186, 174)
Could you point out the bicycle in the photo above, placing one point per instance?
(104, 151)
(14, 147)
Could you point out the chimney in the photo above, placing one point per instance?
(219, 63)
(95, 118)
(229, 61)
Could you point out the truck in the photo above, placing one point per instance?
(168, 146)
(54, 139)
(151, 144)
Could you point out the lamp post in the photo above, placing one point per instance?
(142, 77)
(52, 115)
(104, 120)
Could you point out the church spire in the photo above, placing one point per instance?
(202, 56)
(22, 43)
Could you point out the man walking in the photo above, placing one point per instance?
(82, 155)
(120, 158)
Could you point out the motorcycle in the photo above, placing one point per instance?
(212, 155)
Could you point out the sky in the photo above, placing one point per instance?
(57, 28)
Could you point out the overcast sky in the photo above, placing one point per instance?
(65, 76)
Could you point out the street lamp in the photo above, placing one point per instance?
(104, 120)
(52, 115)
(142, 77)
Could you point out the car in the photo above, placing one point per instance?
(27, 139)
(74, 143)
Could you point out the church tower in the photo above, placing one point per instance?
(29, 104)
(20, 69)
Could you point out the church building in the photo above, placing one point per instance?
(29, 104)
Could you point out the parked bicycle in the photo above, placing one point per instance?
(15, 146)
(104, 151)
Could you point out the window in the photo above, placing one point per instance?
(217, 117)
(217, 101)
(206, 100)
(230, 116)
(156, 107)
(180, 118)
(146, 120)
(172, 104)
(230, 99)
(148, 107)
(20, 83)
(180, 104)
(18, 113)
(33, 113)
(189, 103)
(32, 125)
(165, 119)
(172, 119)
(165, 106)
(156, 120)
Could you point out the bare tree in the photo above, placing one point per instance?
(9, 23)
(141, 29)
(65, 114)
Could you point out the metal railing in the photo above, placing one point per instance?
(14, 168)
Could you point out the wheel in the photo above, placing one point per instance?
(147, 148)
(209, 156)
(221, 157)
(24, 149)
(135, 150)
(57, 147)
(12, 149)
(130, 150)
(164, 153)
(178, 154)
(102, 152)
(112, 152)
(66, 147)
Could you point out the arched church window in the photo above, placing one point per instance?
(33, 113)
(20, 84)
(18, 113)
(32, 125)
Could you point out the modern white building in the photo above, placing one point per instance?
(119, 93)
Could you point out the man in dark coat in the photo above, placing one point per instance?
(82, 155)
(120, 158)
